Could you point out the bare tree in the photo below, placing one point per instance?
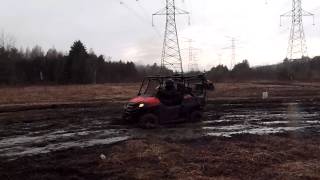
(36, 52)
(7, 41)
(52, 53)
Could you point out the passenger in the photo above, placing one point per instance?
(170, 85)
(181, 92)
(181, 88)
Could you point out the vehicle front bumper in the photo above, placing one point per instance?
(131, 112)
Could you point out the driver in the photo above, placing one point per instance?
(169, 96)
(170, 85)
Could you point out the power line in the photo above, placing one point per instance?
(143, 19)
(134, 12)
(146, 13)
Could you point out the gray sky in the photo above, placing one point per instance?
(125, 31)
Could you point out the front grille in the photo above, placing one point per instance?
(131, 107)
(131, 111)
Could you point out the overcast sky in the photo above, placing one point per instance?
(124, 31)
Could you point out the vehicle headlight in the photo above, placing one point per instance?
(141, 105)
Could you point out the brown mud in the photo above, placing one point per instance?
(239, 138)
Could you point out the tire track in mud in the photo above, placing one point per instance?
(27, 133)
(42, 131)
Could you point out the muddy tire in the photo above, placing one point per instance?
(195, 116)
(149, 121)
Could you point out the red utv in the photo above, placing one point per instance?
(168, 99)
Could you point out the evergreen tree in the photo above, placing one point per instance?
(75, 67)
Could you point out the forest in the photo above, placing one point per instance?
(77, 67)
(305, 69)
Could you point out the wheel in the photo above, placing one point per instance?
(149, 121)
(195, 116)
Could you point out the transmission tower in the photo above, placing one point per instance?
(233, 52)
(193, 61)
(171, 54)
(297, 47)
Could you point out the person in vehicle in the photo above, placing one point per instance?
(181, 88)
(169, 95)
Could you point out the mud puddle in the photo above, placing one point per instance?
(28, 134)
(280, 118)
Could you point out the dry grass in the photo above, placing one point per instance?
(62, 94)
(122, 92)
(255, 89)
(244, 158)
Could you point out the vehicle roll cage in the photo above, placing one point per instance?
(185, 80)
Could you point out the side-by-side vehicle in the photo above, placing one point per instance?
(168, 99)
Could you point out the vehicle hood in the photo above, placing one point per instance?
(150, 101)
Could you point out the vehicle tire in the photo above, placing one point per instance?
(149, 121)
(195, 116)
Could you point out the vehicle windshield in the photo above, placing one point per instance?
(150, 87)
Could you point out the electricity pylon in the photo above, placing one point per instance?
(171, 54)
(233, 51)
(193, 61)
(297, 47)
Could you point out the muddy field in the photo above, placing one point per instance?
(69, 135)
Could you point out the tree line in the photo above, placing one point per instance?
(34, 66)
(77, 67)
(304, 69)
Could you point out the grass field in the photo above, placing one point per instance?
(122, 92)
(69, 93)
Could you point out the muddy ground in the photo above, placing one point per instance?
(241, 137)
